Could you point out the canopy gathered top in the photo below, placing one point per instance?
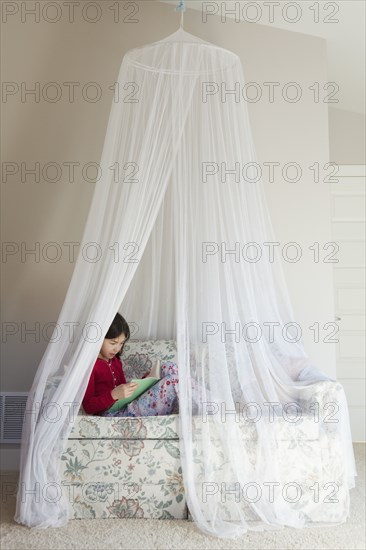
(170, 228)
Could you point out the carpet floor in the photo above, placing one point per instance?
(148, 534)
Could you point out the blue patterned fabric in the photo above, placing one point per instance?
(160, 399)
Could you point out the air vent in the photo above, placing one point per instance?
(12, 407)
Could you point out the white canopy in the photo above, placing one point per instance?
(179, 242)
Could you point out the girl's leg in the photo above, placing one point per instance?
(160, 399)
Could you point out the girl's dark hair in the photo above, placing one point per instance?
(118, 326)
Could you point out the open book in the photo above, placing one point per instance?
(143, 385)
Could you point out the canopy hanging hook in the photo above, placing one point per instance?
(182, 8)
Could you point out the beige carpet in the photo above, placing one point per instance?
(146, 534)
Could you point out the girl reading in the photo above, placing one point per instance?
(107, 381)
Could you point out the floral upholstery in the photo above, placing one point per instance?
(138, 356)
(125, 467)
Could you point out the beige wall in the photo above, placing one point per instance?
(347, 137)
(64, 132)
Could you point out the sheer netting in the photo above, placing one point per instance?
(174, 246)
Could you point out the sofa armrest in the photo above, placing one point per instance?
(323, 401)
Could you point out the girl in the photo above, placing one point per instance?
(107, 381)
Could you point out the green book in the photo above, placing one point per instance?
(143, 385)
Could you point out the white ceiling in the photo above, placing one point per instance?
(345, 38)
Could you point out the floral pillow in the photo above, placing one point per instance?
(139, 355)
(136, 365)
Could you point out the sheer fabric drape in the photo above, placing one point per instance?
(164, 219)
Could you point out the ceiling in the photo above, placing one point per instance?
(345, 38)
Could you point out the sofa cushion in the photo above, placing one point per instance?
(141, 427)
(167, 427)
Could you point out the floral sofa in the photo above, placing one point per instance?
(130, 467)
(126, 467)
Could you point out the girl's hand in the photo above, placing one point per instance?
(124, 390)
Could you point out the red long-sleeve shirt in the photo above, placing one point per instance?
(98, 396)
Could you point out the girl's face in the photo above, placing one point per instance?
(112, 346)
